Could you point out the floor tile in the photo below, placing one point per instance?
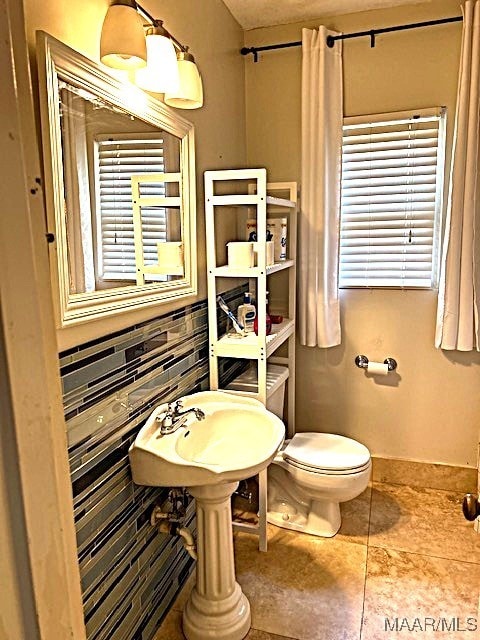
(425, 521)
(255, 634)
(304, 587)
(408, 586)
(423, 562)
(171, 629)
(355, 518)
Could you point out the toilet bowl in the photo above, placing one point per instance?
(309, 478)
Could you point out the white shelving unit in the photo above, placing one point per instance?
(258, 200)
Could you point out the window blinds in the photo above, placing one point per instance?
(119, 158)
(392, 183)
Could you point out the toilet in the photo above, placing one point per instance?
(310, 476)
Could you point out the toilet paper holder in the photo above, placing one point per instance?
(362, 362)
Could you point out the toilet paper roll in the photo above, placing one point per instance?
(377, 368)
(240, 255)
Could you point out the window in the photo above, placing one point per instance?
(391, 200)
(117, 158)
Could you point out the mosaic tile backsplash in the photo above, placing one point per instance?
(130, 574)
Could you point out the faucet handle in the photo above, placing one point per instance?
(172, 407)
(171, 412)
(165, 417)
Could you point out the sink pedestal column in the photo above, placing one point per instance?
(217, 607)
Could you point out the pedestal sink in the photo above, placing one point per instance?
(237, 439)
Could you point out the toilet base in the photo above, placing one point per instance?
(321, 519)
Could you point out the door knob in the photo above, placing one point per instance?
(471, 506)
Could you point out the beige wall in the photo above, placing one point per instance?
(215, 39)
(430, 410)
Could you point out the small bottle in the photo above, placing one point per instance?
(247, 313)
(283, 239)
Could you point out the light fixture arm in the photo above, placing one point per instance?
(159, 23)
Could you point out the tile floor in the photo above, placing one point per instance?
(402, 552)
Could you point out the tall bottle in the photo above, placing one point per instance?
(268, 322)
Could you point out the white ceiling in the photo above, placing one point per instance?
(251, 14)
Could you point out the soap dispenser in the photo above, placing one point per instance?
(246, 313)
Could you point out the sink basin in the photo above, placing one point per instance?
(237, 439)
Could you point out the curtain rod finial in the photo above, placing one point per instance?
(246, 50)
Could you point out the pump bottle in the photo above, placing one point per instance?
(246, 312)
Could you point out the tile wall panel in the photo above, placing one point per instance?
(129, 573)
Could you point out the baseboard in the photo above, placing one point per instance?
(424, 475)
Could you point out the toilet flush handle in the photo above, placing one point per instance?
(471, 507)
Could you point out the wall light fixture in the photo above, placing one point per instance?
(189, 94)
(161, 73)
(161, 63)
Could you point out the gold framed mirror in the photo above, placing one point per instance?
(120, 190)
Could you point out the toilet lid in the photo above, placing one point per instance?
(326, 451)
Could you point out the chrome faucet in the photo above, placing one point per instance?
(173, 419)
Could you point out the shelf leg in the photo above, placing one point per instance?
(262, 510)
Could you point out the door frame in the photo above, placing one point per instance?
(37, 536)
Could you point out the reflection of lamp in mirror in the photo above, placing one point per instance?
(161, 73)
(190, 92)
(122, 43)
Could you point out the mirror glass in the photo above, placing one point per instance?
(120, 190)
(108, 154)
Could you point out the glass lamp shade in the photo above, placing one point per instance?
(161, 73)
(122, 43)
(190, 92)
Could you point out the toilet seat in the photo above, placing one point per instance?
(326, 453)
(327, 472)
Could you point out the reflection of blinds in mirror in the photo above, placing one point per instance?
(392, 183)
(118, 159)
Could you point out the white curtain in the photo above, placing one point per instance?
(457, 315)
(322, 119)
(78, 210)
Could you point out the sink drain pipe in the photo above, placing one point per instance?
(188, 541)
(164, 523)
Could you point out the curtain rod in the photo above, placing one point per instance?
(372, 33)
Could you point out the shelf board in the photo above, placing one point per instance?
(252, 272)
(251, 345)
(281, 202)
(247, 527)
(243, 200)
(247, 382)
